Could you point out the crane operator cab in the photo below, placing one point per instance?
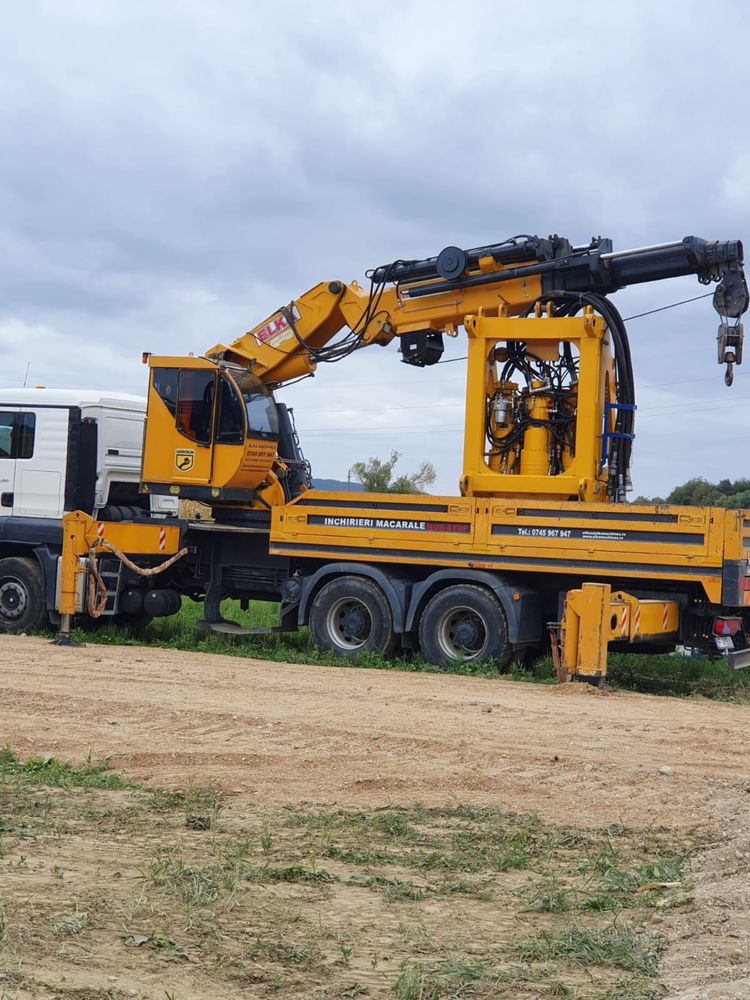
(216, 434)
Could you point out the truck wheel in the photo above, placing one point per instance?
(464, 624)
(22, 604)
(351, 615)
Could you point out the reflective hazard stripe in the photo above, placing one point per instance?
(162, 538)
(624, 621)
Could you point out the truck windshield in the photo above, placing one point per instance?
(262, 416)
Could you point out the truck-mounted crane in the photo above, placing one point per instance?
(541, 531)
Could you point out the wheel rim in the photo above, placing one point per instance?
(462, 633)
(349, 623)
(14, 599)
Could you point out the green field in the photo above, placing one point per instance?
(662, 674)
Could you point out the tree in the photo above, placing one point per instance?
(698, 492)
(376, 475)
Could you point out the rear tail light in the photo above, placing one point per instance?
(727, 626)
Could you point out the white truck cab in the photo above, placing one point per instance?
(62, 450)
(72, 449)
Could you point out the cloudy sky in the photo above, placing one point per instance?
(172, 172)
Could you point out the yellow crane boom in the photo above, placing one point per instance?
(550, 391)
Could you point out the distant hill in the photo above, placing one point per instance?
(337, 484)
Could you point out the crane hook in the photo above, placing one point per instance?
(729, 343)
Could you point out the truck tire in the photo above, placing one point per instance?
(464, 624)
(22, 604)
(351, 615)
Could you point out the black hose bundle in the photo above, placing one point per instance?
(621, 444)
(353, 338)
(559, 378)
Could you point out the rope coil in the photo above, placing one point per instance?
(97, 589)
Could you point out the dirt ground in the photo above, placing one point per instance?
(272, 734)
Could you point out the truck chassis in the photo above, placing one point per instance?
(459, 578)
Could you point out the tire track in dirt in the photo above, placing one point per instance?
(275, 733)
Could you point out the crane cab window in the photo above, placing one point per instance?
(195, 404)
(164, 381)
(17, 432)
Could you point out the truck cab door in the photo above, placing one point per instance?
(179, 428)
(40, 447)
(7, 462)
(33, 446)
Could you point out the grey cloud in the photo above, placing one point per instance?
(172, 172)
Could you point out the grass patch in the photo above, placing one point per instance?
(604, 881)
(658, 674)
(617, 947)
(281, 900)
(285, 952)
(180, 632)
(549, 895)
(455, 978)
(673, 675)
(449, 978)
(194, 885)
(201, 804)
(437, 841)
(394, 890)
(69, 923)
(54, 773)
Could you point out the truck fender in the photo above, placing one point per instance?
(395, 589)
(523, 612)
(48, 564)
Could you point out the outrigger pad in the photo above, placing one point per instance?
(224, 627)
(63, 639)
(595, 680)
(739, 659)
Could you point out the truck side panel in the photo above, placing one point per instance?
(667, 543)
(736, 575)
